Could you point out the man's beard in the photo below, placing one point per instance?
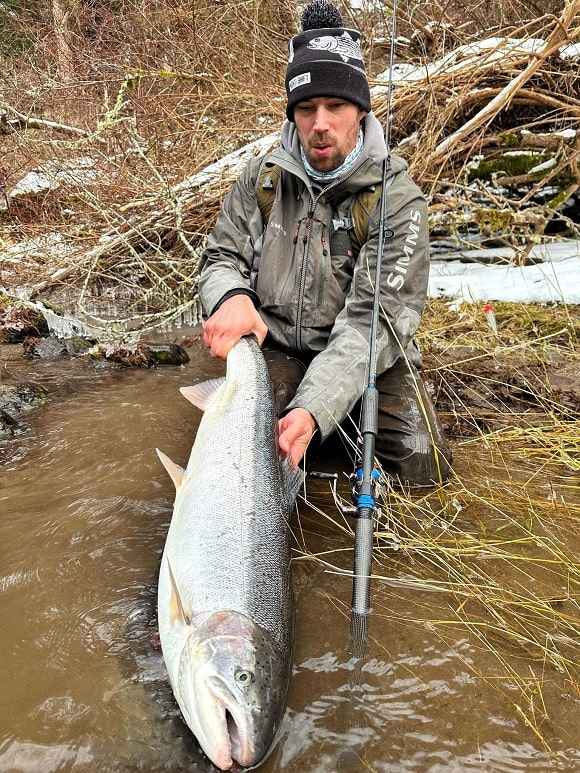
(325, 164)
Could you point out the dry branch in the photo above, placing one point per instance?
(148, 236)
(558, 36)
(528, 139)
(21, 121)
(524, 96)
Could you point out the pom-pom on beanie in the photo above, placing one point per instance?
(325, 60)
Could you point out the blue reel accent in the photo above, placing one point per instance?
(365, 500)
(375, 475)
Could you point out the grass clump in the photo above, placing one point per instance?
(492, 555)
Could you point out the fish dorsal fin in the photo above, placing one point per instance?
(201, 394)
(176, 609)
(176, 473)
(293, 480)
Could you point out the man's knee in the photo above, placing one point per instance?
(425, 467)
(417, 459)
(286, 373)
(410, 445)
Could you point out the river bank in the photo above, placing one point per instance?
(460, 673)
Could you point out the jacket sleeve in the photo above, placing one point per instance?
(231, 246)
(337, 376)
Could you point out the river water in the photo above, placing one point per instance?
(85, 506)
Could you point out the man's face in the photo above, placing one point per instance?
(328, 130)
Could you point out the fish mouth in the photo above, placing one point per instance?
(220, 723)
(241, 747)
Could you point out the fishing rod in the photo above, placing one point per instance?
(366, 476)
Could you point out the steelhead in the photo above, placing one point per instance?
(225, 599)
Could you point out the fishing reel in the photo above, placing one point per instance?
(389, 539)
(332, 478)
(360, 500)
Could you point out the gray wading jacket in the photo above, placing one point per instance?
(312, 294)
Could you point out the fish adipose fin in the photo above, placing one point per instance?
(293, 478)
(201, 394)
(176, 473)
(176, 609)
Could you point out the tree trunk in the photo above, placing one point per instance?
(61, 10)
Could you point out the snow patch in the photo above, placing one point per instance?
(463, 57)
(53, 174)
(571, 51)
(549, 164)
(555, 280)
(46, 246)
(233, 163)
(523, 153)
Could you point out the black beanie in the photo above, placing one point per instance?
(325, 60)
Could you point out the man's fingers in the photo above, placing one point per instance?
(235, 317)
(298, 451)
(284, 444)
(285, 436)
(209, 333)
(221, 345)
(260, 331)
(297, 448)
(293, 443)
(290, 434)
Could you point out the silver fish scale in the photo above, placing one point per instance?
(228, 540)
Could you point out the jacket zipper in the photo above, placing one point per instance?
(306, 239)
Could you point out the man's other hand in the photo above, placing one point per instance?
(235, 318)
(295, 431)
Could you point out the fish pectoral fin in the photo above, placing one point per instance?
(176, 473)
(177, 611)
(201, 394)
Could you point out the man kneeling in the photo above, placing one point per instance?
(293, 254)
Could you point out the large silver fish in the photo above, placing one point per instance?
(225, 599)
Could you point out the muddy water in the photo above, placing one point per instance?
(85, 507)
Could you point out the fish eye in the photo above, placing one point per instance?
(243, 678)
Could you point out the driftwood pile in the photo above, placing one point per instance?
(490, 129)
(496, 139)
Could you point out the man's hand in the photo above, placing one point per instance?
(235, 318)
(295, 431)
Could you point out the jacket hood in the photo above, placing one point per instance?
(369, 169)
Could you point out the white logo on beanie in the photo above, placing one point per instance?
(344, 46)
(299, 80)
(291, 51)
